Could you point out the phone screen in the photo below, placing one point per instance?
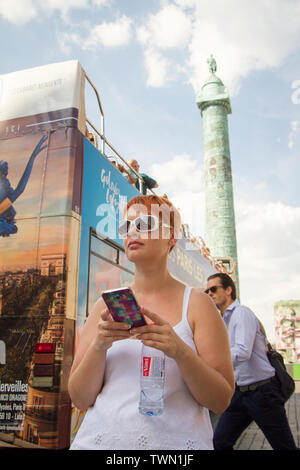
(123, 306)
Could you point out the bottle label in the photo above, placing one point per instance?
(146, 366)
(153, 367)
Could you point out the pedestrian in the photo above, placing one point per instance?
(257, 394)
(122, 170)
(185, 325)
(147, 181)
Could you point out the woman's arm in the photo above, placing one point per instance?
(213, 385)
(5, 204)
(209, 374)
(87, 372)
(245, 333)
(27, 172)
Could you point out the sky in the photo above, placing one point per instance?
(148, 60)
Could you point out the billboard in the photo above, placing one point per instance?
(40, 152)
(287, 329)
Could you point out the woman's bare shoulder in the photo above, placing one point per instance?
(199, 298)
(202, 307)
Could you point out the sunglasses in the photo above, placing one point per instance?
(143, 224)
(212, 289)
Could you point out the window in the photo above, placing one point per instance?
(37, 402)
(109, 268)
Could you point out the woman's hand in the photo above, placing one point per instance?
(159, 335)
(110, 331)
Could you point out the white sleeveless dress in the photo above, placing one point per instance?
(114, 421)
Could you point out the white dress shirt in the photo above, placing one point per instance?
(247, 344)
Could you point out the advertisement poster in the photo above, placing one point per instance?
(39, 145)
(287, 329)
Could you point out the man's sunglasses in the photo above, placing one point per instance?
(143, 224)
(212, 289)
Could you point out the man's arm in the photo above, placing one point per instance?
(245, 325)
(149, 182)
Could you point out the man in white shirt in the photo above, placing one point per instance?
(257, 395)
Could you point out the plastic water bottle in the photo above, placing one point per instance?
(152, 377)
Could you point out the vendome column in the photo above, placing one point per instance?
(214, 104)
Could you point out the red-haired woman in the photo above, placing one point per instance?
(187, 328)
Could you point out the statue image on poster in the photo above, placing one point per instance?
(8, 195)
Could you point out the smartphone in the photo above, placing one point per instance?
(123, 306)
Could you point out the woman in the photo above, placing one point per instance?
(185, 325)
(8, 195)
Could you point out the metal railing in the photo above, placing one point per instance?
(103, 138)
(101, 112)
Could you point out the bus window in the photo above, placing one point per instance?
(124, 261)
(99, 247)
(109, 268)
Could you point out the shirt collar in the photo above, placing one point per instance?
(232, 306)
(229, 309)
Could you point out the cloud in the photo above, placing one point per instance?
(257, 36)
(295, 127)
(157, 68)
(243, 37)
(66, 40)
(182, 179)
(66, 5)
(273, 226)
(268, 254)
(20, 12)
(169, 28)
(179, 171)
(101, 3)
(113, 34)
